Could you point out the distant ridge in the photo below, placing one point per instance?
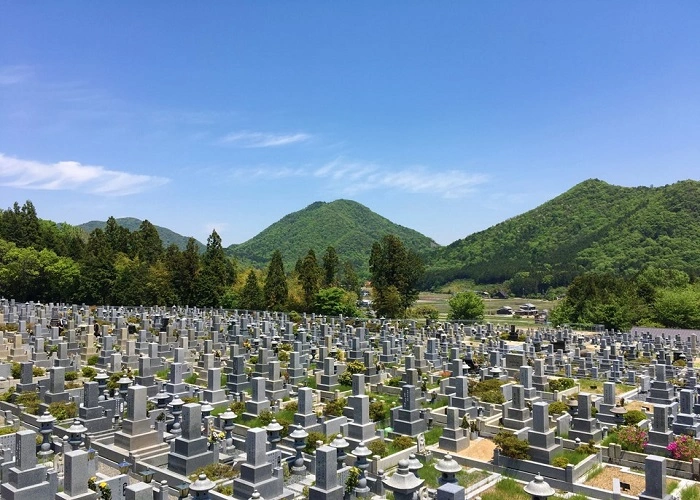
(132, 224)
(594, 226)
(348, 226)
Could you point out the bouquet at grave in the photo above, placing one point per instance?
(216, 437)
(105, 491)
(684, 448)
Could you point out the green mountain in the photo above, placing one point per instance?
(348, 226)
(594, 226)
(132, 224)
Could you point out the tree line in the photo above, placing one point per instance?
(41, 260)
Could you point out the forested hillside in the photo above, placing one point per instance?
(167, 236)
(594, 226)
(349, 227)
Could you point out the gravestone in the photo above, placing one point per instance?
(407, 418)
(454, 438)
(190, 450)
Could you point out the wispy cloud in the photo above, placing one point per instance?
(246, 139)
(359, 177)
(11, 75)
(352, 177)
(71, 175)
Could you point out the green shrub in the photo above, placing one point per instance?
(71, 376)
(237, 407)
(334, 408)
(378, 411)
(191, 379)
(558, 407)
(16, 370)
(560, 462)
(92, 360)
(511, 446)
(588, 448)
(561, 384)
(89, 372)
(215, 471)
(378, 447)
(402, 442)
(312, 439)
(633, 417)
(394, 382)
(38, 371)
(62, 410)
(30, 401)
(493, 397)
(265, 417)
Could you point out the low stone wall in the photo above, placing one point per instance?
(614, 454)
(391, 461)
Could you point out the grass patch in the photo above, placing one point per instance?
(311, 382)
(572, 456)
(594, 471)
(512, 490)
(596, 386)
(438, 403)
(464, 478)
(433, 435)
(691, 493)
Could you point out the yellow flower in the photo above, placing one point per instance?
(103, 484)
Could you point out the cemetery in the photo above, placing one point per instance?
(150, 403)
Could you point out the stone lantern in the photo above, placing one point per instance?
(539, 489)
(403, 483)
(299, 436)
(448, 469)
(273, 433)
(340, 443)
(124, 383)
(176, 410)
(46, 422)
(206, 411)
(201, 487)
(101, 378)
(75, 434)
(414, 465)
(162, 400)
(227, 418)
(619, 413)
(361, 453)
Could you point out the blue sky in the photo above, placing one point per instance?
(444, 117)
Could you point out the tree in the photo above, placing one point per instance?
(309, 278)
(678, 308)
(466, 305)
(147, 243)
(275, 289)
(331, 267)
(251, 294)
(392, 265)
(350, 280)
(217, 273)
(184, 268)
(97, 270)
(335, 301)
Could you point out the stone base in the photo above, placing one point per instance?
(333, 494)
(454, 444)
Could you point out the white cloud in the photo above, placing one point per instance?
(71, 175)
(11, 75)
(358, 177)
(247, 139)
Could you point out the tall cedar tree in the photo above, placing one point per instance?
(216, 275)
(275, 289)
(97, 270)
(350, 281)
(252, 297)
(147, 242)
(395, 272)
(331, 268)
(186, 272)
(309, 278)
(119, 238)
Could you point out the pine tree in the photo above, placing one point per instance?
(275, 289)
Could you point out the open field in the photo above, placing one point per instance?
(440, 302)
